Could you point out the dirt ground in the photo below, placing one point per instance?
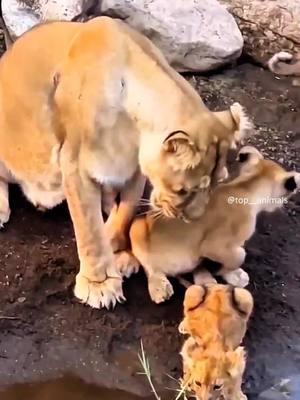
(50, 333)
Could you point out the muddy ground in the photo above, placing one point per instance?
(50, 333)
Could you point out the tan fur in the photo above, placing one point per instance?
(170, 247)
(216, 318)
(284, 63)
(82, 107)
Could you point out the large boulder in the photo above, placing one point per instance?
(195, 35)
(268, 26)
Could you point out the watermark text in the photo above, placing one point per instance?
(276, 201)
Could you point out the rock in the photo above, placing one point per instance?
(18, 18)
(20, 15)
(267, 26)
(193, 34)
(286, 389)
(271, 394)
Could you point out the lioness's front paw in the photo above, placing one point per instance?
(238, 278)
(160, 288)
(99, 295)
(126, 263)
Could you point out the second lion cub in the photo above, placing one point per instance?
(170, 247)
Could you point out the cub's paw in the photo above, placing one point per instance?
(118, 240)
(4, 216)
(99, 295)
(182, 328)
(160, 288)
(126, 264)
(204, 277)
(238, 278)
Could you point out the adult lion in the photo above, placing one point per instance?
(91, 104)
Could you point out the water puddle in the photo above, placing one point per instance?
(67, 388)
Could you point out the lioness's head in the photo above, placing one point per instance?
(271, 184)
(214, 376)
(185, 164)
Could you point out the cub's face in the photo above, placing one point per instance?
(277, 184)
(215, 376)
(182, 176)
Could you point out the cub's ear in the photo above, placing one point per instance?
(292, 183)
(243, 302)
(249, 154)
(180, 144)
(194, 297)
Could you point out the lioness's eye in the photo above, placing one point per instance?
(198, 383)
(182, 192)
(217, 387)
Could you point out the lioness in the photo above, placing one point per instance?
(90, 104)
(169, 247)
(284, 63)
(215, 318)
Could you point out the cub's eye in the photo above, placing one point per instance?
(182, 192)
(217, 387)
(198, 383)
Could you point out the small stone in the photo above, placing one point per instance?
(21, 299)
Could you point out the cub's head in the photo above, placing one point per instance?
(213, 376)
(268, 181)
(185, 164)
(216, 314)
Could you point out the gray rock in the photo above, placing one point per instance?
(286, 389)
(268, 26)
(195, 35)
(272, 394)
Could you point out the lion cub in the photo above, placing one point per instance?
(216, 318)
(170, 247)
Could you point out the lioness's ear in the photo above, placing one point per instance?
(183, 147)
(237, 123)
(194, 297)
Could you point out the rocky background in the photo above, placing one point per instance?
(195, 35)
